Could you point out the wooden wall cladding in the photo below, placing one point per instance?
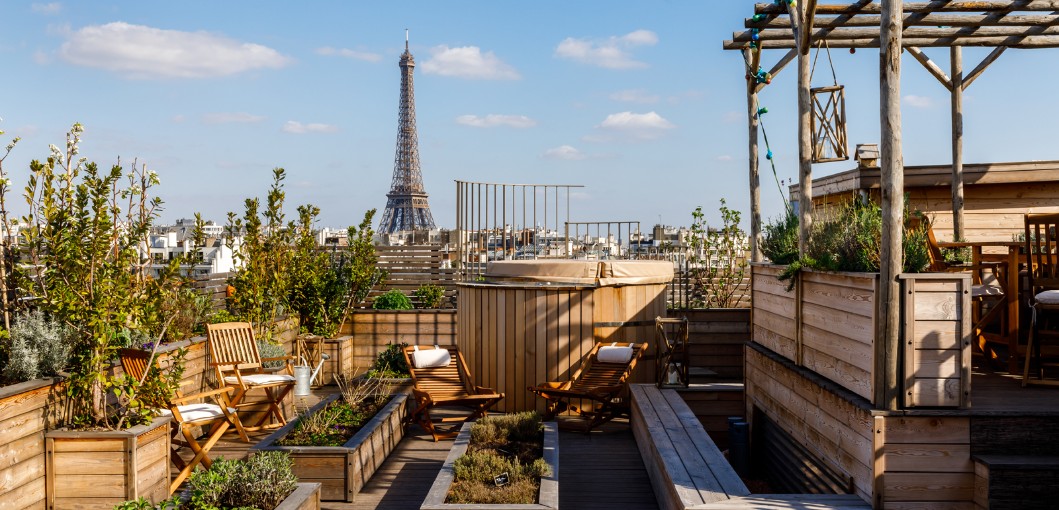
(923, 462)
(937, 339)
(24, 415)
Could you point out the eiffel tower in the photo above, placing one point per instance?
(406, 203)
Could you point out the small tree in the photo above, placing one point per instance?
(718, 264)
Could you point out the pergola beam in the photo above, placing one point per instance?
(930, 66)
(922, 7)
(1031, 41)
(1002, 19)
(980, 68)
(911, 33)
(787, 58)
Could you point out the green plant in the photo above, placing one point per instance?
(324, 282)
(262, 481)
(362, 398)
(392, 300)
(430, 295)
(390, 363)
(83, 230)
(262, 284)
(780, 240)
(267, 349)
(510, 444)
(39, 346)
(850, 241)
(718, 263)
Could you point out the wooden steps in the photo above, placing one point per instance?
(1005, 482)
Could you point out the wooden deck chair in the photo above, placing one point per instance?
(440, 379)
(601, 381)
(1042, 263)
(210, 410)
(234, 356)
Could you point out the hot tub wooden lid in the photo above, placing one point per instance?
(581, 272)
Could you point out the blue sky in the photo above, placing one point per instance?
(633, 99)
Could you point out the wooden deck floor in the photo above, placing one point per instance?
(601, 470)
(995, 392)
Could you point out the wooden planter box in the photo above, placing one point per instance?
(936, 328)
(305, 497)
(343, 470)
(102, 469)
(25, 413)
(548, 497)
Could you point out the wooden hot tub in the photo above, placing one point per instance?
(532, 321)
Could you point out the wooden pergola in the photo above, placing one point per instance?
(892, 26)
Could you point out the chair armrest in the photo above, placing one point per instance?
(561, 385)
(197, 396)
(226, 363)
(482, 390)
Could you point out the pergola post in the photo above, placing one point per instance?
(891, 165)
(805, 146)
(956, 58)
(755, 177)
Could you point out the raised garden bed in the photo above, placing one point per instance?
(305, 497)
(343, 470)
(547, 495)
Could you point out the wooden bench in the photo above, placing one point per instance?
(688, 471)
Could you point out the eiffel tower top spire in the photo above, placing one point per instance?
(406, 203)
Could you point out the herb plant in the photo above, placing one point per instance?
(392, 300)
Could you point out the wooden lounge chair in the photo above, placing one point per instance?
(444, 381)
(600, 384)
(234, 356)
(210, 410)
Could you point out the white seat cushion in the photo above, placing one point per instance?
(432, 358)
(260, 379)
(196, 412)
(1048, 297)
(614, 354)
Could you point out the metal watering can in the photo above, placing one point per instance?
(304, 375)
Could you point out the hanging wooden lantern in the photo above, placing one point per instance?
(829, 124)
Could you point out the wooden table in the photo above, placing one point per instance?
(1010, 335)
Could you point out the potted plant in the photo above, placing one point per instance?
(342, 440)
(430, 296)
(500, 462)
(264, 481)
(83, 267)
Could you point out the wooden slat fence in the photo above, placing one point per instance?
(215, 286)
(409, 267)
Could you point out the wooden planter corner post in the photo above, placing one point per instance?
(343, 470)
(936, 343)
(102, 469)
(547, 496)
(305, 497)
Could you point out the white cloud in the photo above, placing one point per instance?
(230, 118)
(644, 126)
(919, 101)
(49, 8)
(137, 51)
(634, 96)
(494, 120)
(564, 152)
(366, 56)
(611, 53)
(468, 62)
(293, 126)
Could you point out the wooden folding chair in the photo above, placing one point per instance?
(1042, 270)
(445, 382)
(600, 382)
(234, 356)
(189, 412)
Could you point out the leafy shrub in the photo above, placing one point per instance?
(430, 296)
(780, 240)
(268, 349)
(499, 444)
(40, 347)
(260, 482)
(392, 300)
(719, 260)
(390, 363)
